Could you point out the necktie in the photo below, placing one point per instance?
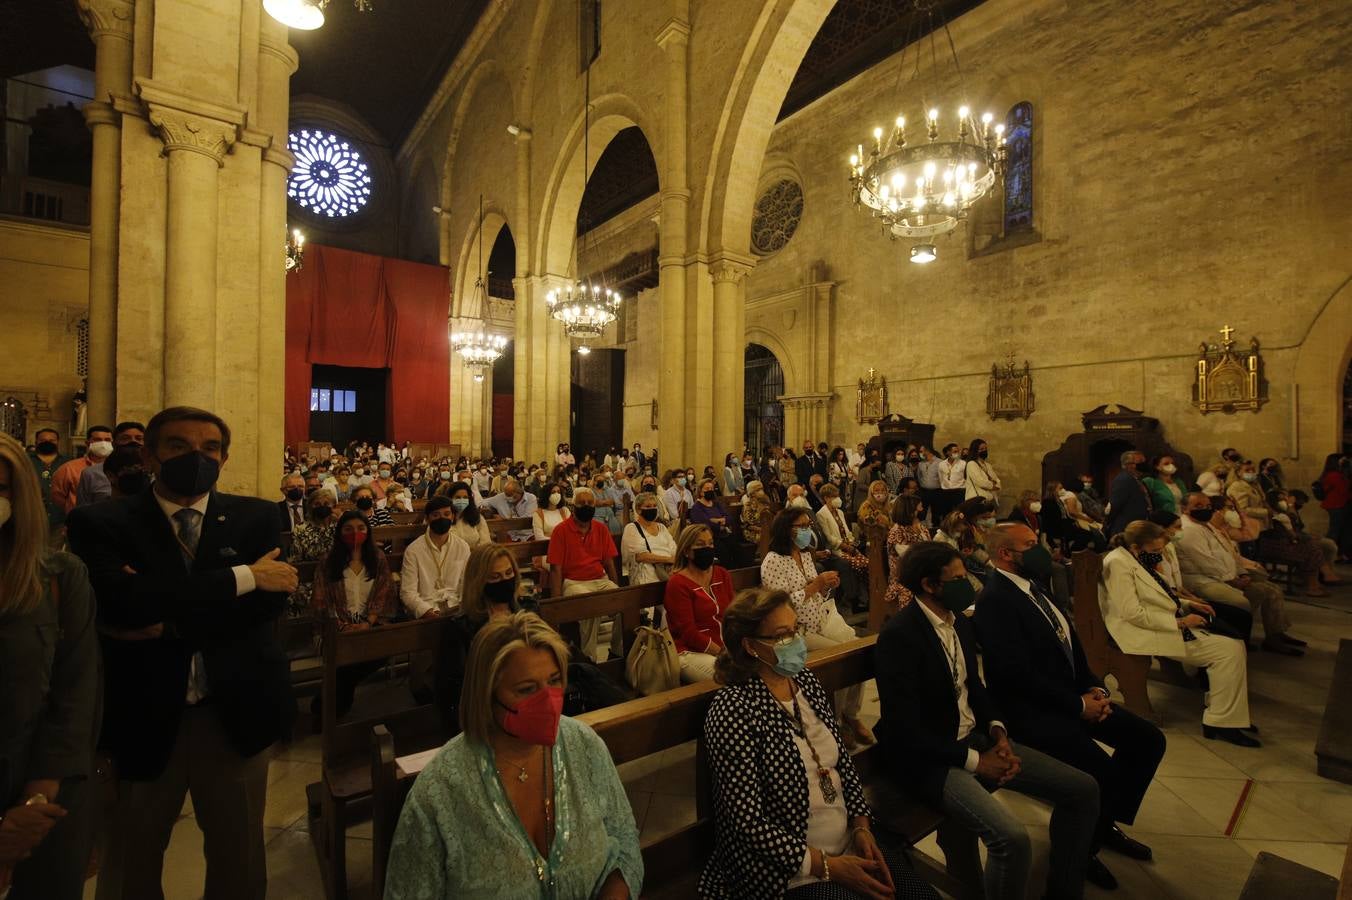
(1045, 605)
(295, 514)
(188, 527)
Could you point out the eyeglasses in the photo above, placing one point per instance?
(782, 641)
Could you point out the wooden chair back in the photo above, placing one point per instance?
(875, 538)
(397, 536)
(1102, 653)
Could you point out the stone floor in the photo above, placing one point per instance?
(1203, 837)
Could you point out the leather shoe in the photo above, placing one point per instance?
(1097, 874)
(1118, 841)
(1294, 642)
(1282, 648)
(1230, 735)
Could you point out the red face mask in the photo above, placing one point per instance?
(354, 538)
(535, 719)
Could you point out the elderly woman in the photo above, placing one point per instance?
(790, 813)
(1146, 616)
(523, 802)
(788, 567)
(647, 548)
(754, 509)
(48, 690)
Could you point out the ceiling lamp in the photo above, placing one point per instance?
(479, 350)
(584, 309)
(924, 188)
(305, 15)
(295, 251)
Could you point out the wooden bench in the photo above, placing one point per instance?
(650, 725)
(498, 528)
(397, 536)
(1333, 749)
(402, 517)
(1100, 650)
(1274, 877)
(875, 539)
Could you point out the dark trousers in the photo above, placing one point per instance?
(945, 503)
(933, 503)
(1123, 777)
(56, 870)
(349, 677)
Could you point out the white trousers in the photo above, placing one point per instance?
(836, 630)
(696, 667)
(591, 628)
(1227, 668)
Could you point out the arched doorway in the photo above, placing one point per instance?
(763, 414)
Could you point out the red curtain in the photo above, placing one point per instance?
(354, 309)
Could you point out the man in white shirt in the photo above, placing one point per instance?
(434, 565)
(674, 496)
(952, 482)
(512, 503)
(385, 454)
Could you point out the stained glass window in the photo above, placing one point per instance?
(331, 177)
(1019, 169)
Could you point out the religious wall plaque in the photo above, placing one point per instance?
(872, 404)
(1011, 391)
(1229, 380)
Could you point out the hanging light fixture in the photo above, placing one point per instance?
(305, 15)
(479, 349)
(295, 251)
(585, 309)
(926, 187)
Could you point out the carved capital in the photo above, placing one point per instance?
(106, 17)
(726, 271)
(193, 133)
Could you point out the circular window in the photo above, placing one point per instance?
(330, 178)
(778, 212)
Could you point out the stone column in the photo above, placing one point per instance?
(729, 388)
(195, 146)
(674, 39)
(109, 23)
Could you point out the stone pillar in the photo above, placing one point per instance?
(672, 398)
(109, 23)
(277, 62)
(195, 147)
(729, 337)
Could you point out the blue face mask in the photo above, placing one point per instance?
(791, 658)
(802, 538)
(460, 504)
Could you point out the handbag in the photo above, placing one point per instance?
(661, 570)
(653, 665)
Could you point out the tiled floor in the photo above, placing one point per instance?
(1289, 810)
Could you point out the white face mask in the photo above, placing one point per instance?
(1169, 468)
(1035, 507)
(835, 503)
(6, 510)
(799, 502)
(554, 498)
(101, 449)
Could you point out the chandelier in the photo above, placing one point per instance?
(924, 187)
(585, 309)
(305, 15)
(479, 349)
(295, 251)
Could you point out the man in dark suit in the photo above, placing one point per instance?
(944, 742)
(1038, 673)
(291, 508)
(1128, 496)
(189, 587)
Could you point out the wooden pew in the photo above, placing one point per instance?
(1099, 649)
(650, 725)
(397, 536)
(875, 537)
(1333, 749)
(498, 528)
(401, 517)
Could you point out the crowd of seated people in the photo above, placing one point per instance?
(1186, 579)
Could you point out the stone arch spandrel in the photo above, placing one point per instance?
(486, 72)
(756, 334)
(1320, 364)
(466, 270)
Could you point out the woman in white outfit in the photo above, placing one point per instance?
(788, 567)
(1146, 616)
(647, 548)
(980, 475)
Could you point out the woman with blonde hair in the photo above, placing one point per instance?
(647, 548)
(1146, 616)
(48, 689)
(696, 596)
(524, 801)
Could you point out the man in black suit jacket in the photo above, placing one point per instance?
(944, 742)
(291, 508)
(1039, 675)
(1128, 496)
(189, 588)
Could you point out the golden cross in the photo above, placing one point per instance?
(1226, 332)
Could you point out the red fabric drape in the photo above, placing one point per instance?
(354, 309)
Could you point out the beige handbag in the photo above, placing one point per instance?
(652, 665)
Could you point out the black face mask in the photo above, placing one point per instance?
(711, 495)
(365, 503)
(500, 591)
(1202, 515)
(702, 557)
(1151, 560)
(649, 515)
(984, 454)
(295, 494)
(649, 489)
(440, 526)
(320, 513)
(584, 513)
(191, 474)
(46, 448)
(132, 482)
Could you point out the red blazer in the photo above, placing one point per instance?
(693, 616)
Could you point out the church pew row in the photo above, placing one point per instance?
(342, 797)
(650, 725)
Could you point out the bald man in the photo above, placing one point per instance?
(1038, 675)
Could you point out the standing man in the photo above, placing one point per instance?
(927, 473)
(582, 560)
(47, 460)
(1037, 671)
(190, 587)
(291, 508)
(93, 485)
(1128, 498)
(952, 482)
(806, 464)
(98, 444)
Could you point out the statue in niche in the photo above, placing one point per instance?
(1228, 380)
(872, 403)
(1010, 395)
